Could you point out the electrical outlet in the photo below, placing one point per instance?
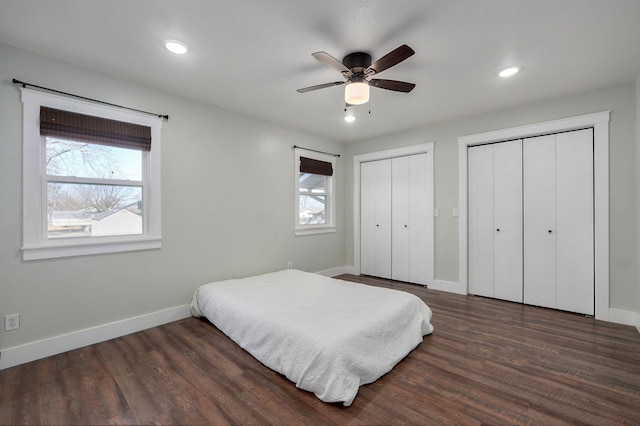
(289, 265)
(11, 322)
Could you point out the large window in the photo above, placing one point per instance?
(91, 178)
(314, 192)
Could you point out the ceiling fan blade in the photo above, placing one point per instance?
(390, 59)
(331, 62)
(396, 86)
(320, 86)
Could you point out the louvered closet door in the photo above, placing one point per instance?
(495, 220)
(375, 220)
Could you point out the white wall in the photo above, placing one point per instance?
(227, 192)
(227, 209)
(619, 99)
(637, 307)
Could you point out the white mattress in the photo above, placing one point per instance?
(328, 336)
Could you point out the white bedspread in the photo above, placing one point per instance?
(328, 336)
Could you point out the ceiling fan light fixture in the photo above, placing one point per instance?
(175, 46)
(356, 93)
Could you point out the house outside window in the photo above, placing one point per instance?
(314, 192)
(91, 178)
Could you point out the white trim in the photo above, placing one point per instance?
(448, 286)
(394, 152)
(334, 272)
(55, 345)
(620, 316)
(35, 244)
(538, 129)
(313, 231)
(600, 123)
(383, 155)
(91, 247)
(330, 207)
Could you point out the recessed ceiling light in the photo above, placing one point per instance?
(508, 72)
(349, 118)
(176, 47)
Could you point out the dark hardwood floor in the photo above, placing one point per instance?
(488, 362)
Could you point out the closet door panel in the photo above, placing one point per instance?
(575, 243)
(401, 200)
(375, 207)
(539, 173)
(419, 213)
(507, 163)
(383, 219)
(367, 219)
(481, 220)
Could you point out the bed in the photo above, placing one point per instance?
(328, 336)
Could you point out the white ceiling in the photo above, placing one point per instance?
(250, 56)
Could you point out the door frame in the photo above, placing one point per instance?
(383, 155)
(600, 124)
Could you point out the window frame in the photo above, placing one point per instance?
(36, 244)
(330, 225)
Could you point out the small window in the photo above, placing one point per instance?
(91, 178)
(315, 209)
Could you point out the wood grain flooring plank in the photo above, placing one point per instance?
(125, 359)
(60, 393)
(20, 404)
(488, 362)
(101, 395)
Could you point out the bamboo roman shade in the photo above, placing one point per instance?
(315, 167)
(87, 128)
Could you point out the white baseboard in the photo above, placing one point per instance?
(43, 348)
(620, 316)
(448, 286)
(334, 272)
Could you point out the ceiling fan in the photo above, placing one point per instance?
(357, 69)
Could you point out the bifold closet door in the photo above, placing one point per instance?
(375, 218)
(495, 220)
(507, 178)
(410, 195)
(575, 221)
(540, 221)
(400, 230)
(558, 221)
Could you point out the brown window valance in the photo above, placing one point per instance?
(316, 167)
(87, 128)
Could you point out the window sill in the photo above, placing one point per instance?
(64, 249)
(315, 230)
